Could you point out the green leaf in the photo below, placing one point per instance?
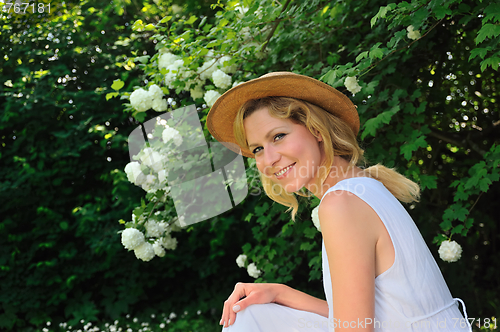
(382, 12)
(492, 13)
(142, 59)
(373, 124)
(165, 19)
(117, 84)
(457, 229)
(306, 246)
(111, 95)
(138, 26)
(428, 181)
(493, 62)
(441, 12)
(361, 56)
(487, 31)
(191, 20)
(478, 51)
(376, 53)
(407, 149)
(419, 17)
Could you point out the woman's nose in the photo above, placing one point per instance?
(271, 157)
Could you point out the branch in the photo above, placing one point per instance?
(275, 26)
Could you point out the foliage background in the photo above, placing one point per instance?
(429, 108)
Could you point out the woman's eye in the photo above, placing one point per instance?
(279, 135)
(276, 136)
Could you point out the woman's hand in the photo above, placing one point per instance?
(251, 294)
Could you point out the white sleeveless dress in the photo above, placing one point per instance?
(411, 295)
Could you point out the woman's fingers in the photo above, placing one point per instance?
(228, 314)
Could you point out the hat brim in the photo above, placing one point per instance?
(220, 118)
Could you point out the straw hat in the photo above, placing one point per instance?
(221, 117)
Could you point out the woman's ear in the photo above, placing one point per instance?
(318, 136)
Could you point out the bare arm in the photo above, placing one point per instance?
(349, 232)
(269, 293)
(296, 299)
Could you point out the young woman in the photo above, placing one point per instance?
(378, 273)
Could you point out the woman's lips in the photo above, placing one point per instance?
(287, 171)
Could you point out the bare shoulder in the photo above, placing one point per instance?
(345, 212)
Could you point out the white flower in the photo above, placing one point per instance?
(210, 97)
(152, 159)
(413, 34)
(253, 271)
(172, 315)
(228, 69)
(145, 252)
(134, 173)
(240, 261)
(158, 249)
(197, 92)
(159, 105)
(450, 251)
(171, 133)
(155, 92)
(221, 79)
(351, 83)
(149, 184)
(141, 100)
(169, 242)
(176, 9)
(186, 76)
(162, 176)
(166, 59)
(173, 70)
(132, 238)
(236, 83)
(315, 218)
(207, 69)
(153, 229)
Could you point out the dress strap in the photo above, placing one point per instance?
(465, 312)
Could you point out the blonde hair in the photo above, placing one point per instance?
(338, 140)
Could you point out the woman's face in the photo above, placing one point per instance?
(284, 151)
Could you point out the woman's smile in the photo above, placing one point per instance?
(282, 173)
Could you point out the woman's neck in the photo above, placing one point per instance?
(339, 171)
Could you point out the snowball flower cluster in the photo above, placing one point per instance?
(145, 252)
(166, 59)
(152, 159)
(143, 100)
(253, 271)
(207, 69)
(197, 92)
(315, 218)
(134, 173)
(211, 96)
(158, 232)
(221, 79)
(132, 238)
(170, 133)
(240, 260)
(413, 34)
(450, 251)
(223, 64)
(351, 83)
